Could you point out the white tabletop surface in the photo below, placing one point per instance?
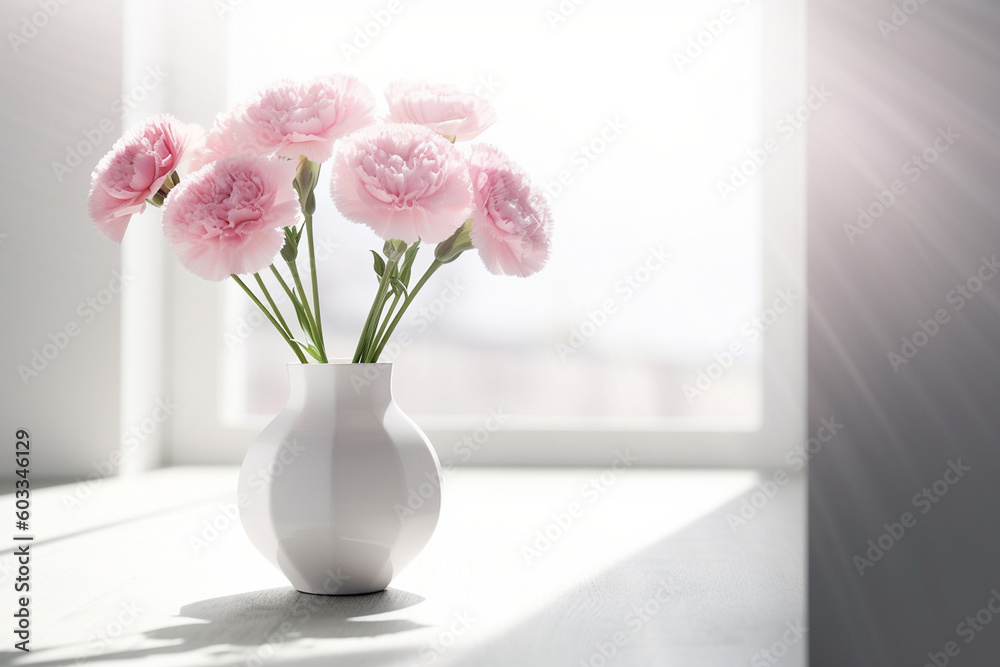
(156, 570)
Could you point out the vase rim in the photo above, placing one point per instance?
(337, 362)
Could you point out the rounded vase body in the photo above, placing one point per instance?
(341, 490)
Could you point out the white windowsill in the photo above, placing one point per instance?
(118, 578)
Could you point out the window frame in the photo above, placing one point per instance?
(191, 362)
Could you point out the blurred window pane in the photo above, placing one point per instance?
(608, 329)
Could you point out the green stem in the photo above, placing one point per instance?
(284, 286)
(274, 306)
(291, 296)
(372, 336)
(253, 297)
(305, 305)
(377, 305)
(388, 316)
(435, 265)
(372, 326)
(318, 324)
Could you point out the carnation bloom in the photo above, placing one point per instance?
(227, 217)
(443, 108)
(217, 144)
(402, 180)
(135, 169)
(290, 119)
(511, 222)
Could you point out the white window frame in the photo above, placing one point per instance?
(189, 364)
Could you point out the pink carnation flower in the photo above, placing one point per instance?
(291, 119)
(443, 108)
(227, 217)
(511, 221)
(134, 170)
(403, 181)
(217, 144)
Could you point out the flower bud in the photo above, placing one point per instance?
(449, 249)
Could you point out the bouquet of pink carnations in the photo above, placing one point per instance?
(237, 198)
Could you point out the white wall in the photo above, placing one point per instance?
(61, 88)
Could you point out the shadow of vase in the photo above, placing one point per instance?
(258, 622)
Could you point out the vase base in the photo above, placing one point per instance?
(344, 594)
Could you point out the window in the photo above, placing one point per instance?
(672, 244)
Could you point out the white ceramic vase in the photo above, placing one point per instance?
(341, 490)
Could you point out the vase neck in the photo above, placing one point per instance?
(340, 383)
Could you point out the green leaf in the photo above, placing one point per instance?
(398, 288)
(300, 313)
(311, 349)
(379, 264)
(449, 249)
(404, 271)
(290, 250)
